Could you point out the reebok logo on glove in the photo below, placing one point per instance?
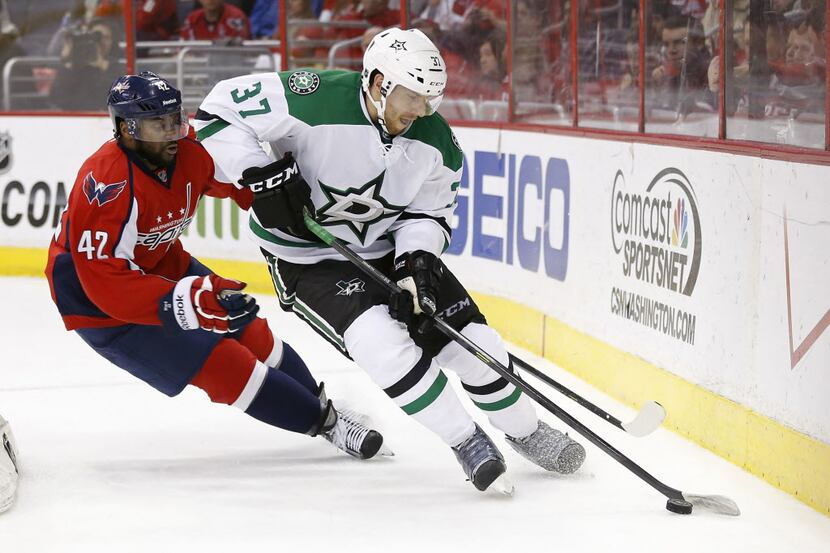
(211, 303)
(181, 314)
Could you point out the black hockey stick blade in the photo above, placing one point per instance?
(675, 496)
(648, 419)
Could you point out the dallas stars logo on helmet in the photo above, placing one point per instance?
(303, 82)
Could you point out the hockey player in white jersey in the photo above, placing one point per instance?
(379, 168)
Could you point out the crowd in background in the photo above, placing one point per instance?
(774, 57)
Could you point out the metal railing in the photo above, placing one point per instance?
(195, 66)
(10, 79)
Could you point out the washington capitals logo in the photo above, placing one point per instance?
(104, 193)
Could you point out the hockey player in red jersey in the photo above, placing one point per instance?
(122, 280)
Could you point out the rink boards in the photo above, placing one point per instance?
(694, 278)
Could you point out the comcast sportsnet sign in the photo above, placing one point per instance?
(657, 241)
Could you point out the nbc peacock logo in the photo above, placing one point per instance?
(680, 232)
(656, 231)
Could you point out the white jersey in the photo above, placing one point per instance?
(378, 195)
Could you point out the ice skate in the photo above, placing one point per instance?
(483, 463)
(348, 430)
(550, 449)
(351, 433)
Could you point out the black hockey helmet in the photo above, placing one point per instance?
(150, 105)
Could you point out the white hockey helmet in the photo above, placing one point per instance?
(406, 58)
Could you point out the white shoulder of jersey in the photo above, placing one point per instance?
(254, 102)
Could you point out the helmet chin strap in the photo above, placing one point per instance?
(380, 108)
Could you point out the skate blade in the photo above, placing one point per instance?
(503, 485)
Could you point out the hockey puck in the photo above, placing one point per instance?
(679, 506)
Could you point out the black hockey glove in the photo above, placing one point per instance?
(418, 274)
(280, 194)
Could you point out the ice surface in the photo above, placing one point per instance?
(110, 465)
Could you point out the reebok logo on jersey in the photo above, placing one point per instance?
(103, 193)
(354, 286)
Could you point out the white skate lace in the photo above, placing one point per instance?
(349, 432)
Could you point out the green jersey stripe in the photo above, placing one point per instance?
(211, 129)
(428, 397)
(265, 235)
(501, 404)
(319, 323)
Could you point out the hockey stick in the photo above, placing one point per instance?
(678, 502)
(648, 419)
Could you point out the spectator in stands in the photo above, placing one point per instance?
(88, 65)
(465, 41)
(371, 13)
(263, 18)
(156, 20)
(74, 17)
(778, 28)
(492, 83)
(216, 21)
(107, 8)
(441, 12)
(738, 87)
(374, 12)
(802, 67)
(301, 9)
(630, 79)
(333, 9)
(682, 73)
(533, 81)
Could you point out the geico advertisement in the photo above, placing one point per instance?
(513, 208)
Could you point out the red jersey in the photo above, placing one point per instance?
(116, 251)
(156, 19)
(232, 23)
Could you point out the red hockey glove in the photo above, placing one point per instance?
(212, 303)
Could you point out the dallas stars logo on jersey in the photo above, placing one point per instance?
(357, 208)
(303, 82)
